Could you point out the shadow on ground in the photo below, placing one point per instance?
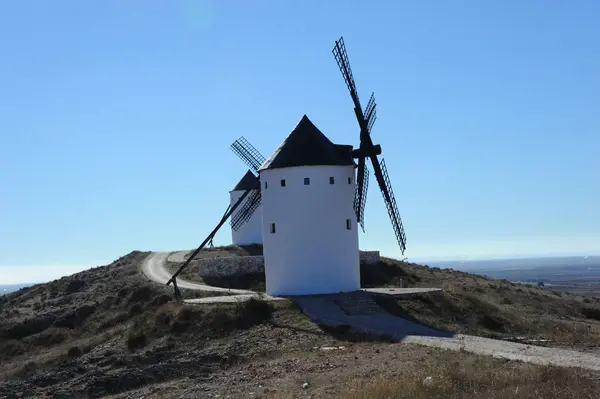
(374, 275)
(358, 316)
(252, 282)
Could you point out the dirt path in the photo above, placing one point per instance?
(154, 269)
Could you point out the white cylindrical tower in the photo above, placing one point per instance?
(250, 232)
(310, 235)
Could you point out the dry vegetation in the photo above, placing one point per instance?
(477, 305)
(107, 332)
(465, 377)
(469, 304)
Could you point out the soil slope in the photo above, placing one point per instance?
(107, 332)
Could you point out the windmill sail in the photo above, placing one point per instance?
(392, 207)
(247, 210)
(254, 160)
(366, 118)
(360, 199)
(248, 153)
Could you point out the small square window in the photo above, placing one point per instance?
(349, 180)
(331, 180)
(306, 181)
(282, 182)
(272, 228)
(266, 185)
(348, 225)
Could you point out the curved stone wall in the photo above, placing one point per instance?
(240, 265)
(369, 257)
(230, 266)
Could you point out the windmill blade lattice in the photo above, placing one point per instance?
(390, 203)
(370, 112)
(366, 118)
(360, 199)
(248, 153)
(254, 160)
(247, 210)
(341, 57)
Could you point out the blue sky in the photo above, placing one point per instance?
(116, 119)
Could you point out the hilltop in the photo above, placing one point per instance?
(469, 303)
(108, 331)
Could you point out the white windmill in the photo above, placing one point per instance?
(311, 201)
(250, 232)
(309, 225)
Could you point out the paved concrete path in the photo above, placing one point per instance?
(403, 292)
(234, 298)
(327, 310)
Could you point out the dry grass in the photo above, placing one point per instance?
(479, 377)
(470, 304)
(473, 304)
(206, 321)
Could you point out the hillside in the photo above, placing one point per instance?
(107, 332)
(478, 305)
(469, 303)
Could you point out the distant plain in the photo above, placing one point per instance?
(575, 274)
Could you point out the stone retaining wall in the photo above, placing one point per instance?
(369, 257)
(240, 265)
(230, 266)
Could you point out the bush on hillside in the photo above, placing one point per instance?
(173, 318)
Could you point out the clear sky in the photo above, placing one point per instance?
(116, 119)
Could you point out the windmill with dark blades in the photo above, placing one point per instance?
(242, 206)
(367, 149)
(307, 199)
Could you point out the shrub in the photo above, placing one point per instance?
(74, 286)
(10, 348)
(255, 311)
(28, 327)
(173, 318)
(137, 336)
(135, 310)
(590, 312)
(27, 369)
(49, 337)
(76, 318)
(141, 294)
(74, 352)
(183, 319)
(161, 299)
(493, 323)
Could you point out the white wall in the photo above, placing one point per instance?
(311, 251)
(251, 231)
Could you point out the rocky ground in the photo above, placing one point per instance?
(107, 332)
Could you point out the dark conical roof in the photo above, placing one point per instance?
(247, 182)
(306, 145)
